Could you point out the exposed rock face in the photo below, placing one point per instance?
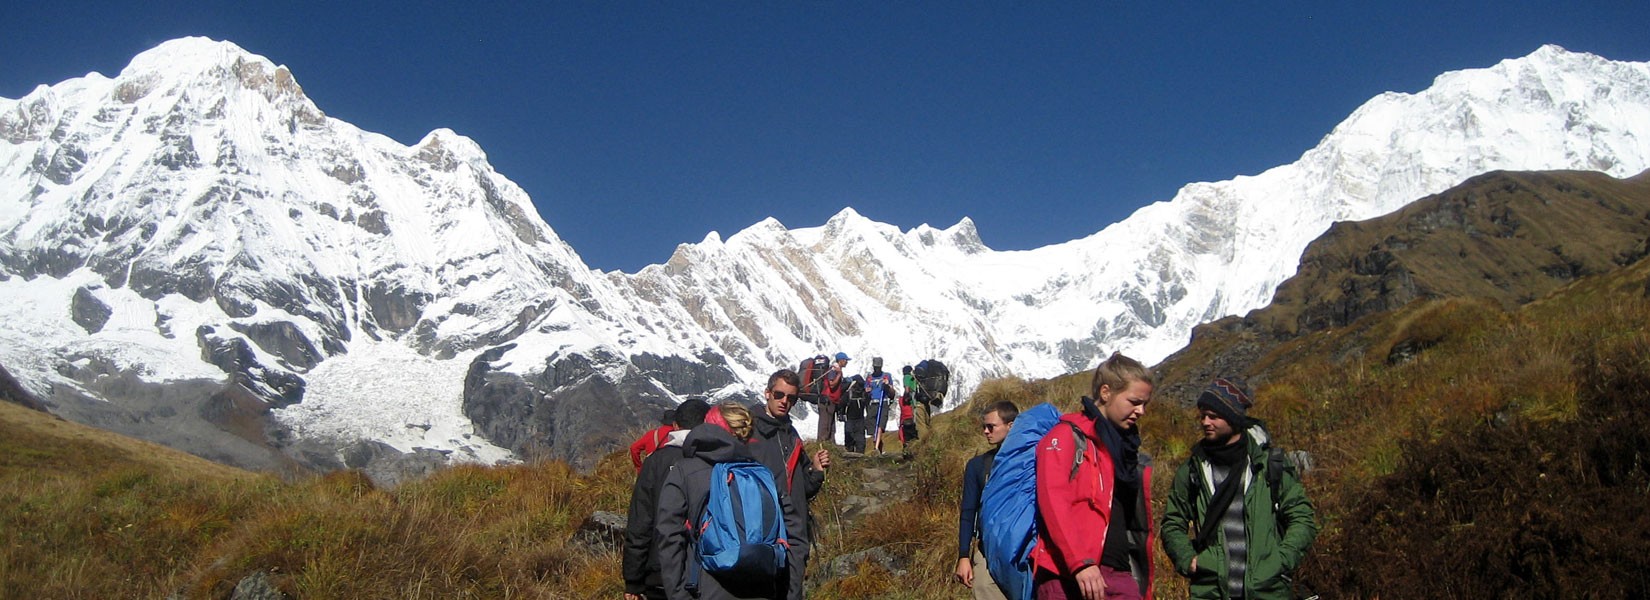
(571, 411)
(218, 422)
(12, 391)
(89, 312)
(235, 356)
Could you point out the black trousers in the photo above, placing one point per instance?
(853, 435)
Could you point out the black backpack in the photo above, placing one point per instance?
(856, 397)
(933, 381)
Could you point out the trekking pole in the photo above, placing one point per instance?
(877, 437)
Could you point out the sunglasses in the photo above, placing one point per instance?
(989, 427)
(778, 395)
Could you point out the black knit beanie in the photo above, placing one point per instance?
(1229, 400)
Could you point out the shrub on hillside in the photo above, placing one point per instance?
(1512, 507)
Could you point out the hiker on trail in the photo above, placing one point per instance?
(1249, 548)
(914, 396)
(830, 398)
(651, 440)
(972, 572)
(907, 420)
(1093, 488)
(855, 399)
(685, 498)
(882, 392)
(778, 446)
(642, 577)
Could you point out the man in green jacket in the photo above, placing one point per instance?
(1248, 549)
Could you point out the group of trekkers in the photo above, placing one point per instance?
(864, 403)
(1058, 507)
(1236, 525)
(720, 508)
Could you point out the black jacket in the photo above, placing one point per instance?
(684, 494)
(641, 563)
(975, 474)
(773, 442)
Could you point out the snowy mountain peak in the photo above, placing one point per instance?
(965, 236)
(445, 149)
(207, 66)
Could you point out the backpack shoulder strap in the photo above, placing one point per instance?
(1276, 464)
(790, 464)
(1082, 449)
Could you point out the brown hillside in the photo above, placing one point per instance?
(35, 443)
(1506, 238)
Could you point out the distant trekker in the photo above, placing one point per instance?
(880, 385)
(830, 398)
(907, 421)
(855, 399)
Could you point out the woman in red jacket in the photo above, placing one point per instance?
(1092, 493)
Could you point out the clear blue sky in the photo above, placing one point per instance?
(637, 126)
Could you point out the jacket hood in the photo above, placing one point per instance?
(714, 444)
(676, 437)
(767, 425)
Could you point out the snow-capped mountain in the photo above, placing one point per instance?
(197, 225)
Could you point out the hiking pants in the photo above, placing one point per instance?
(853, 435)
(1120, 585)
(827, 420)
(985, 588)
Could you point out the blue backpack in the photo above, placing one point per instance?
(1008, 505)
(741, 529)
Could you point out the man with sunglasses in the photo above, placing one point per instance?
(776, 444)
(971, 568)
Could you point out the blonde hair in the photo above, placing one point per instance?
(738, 419)
(1116, 372)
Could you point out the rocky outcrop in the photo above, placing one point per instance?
(276, 386)
(602, 531)
(576, 409)
(12, 391)
(89, 312)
